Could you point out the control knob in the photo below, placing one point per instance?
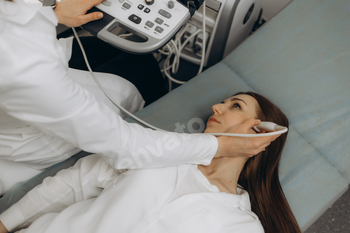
(171, 4)
(149, 2)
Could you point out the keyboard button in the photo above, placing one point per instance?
(140, 6)
(164, 13)
(106, 3)
(159, 21)
(135, 19)
(149, 24)
(159, 29)
(126, 5)
(147, 10)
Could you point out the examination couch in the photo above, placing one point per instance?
(300, 60)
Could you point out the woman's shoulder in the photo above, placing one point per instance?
(234, 219)
(241, 221)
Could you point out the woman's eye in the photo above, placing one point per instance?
(236, 105)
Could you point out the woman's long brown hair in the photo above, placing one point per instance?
(260, 179)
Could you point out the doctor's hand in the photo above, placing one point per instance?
(72, 13)
(240, 146)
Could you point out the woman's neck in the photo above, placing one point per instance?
(224, 172)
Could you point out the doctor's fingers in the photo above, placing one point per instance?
(261, 143)
(79, 16)
(90, 17)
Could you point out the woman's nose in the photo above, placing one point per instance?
(216, 109)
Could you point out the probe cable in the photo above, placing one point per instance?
(104, 91)
(175, 47)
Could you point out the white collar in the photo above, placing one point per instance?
(21, 13)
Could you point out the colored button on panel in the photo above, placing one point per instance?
(149, 24)
(159, 21)
(164, 13)
(159, 29)
(149, 2)
(126, 5)
(135, 19)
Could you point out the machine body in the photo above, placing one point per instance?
(228, 23)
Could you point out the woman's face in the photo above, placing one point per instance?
(231, 112)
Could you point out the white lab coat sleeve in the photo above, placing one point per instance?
(67, 45)
(36, 89)
(85, 180)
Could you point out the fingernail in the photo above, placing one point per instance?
(100, 15)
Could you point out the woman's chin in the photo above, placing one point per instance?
(207, 130)
(211, 130)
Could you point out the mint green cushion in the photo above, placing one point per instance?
(300, 60)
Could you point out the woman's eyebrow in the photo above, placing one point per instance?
(235, 98)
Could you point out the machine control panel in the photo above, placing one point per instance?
(152, 18)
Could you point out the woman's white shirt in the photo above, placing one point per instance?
(93, 197)
(38, 97)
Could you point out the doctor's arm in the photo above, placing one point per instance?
(38, 90)
(85, 180)
(73, 13)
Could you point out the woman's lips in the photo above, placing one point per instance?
(213, 119)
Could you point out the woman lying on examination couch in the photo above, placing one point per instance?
(232, 194)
